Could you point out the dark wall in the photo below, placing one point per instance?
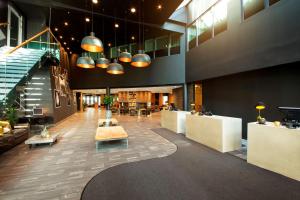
(162, 71)
(268, 38)
(3, 19)
(178, 97)
(236, 95)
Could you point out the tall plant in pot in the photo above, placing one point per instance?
(108, 101)
(12, 116)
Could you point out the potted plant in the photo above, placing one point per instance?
(108, 101)
(12, 117)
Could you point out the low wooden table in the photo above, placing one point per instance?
(110, 134)
(38, 139)
(113, 121)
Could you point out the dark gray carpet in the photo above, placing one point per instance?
(193, 172)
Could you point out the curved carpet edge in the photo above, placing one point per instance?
(192, 172)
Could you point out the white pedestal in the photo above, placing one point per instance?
(221, 133)
(274, 148)
(174, 120)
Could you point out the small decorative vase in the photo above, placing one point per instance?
(108, 114)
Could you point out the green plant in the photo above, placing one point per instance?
(11, 115)
(108, 100)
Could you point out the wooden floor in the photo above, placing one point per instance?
(62, 171)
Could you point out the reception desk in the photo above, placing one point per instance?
(221, 133)
(174, 120)
(274, 148)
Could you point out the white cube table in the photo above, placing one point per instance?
(174, 120)
(38, 139)
(218, 132)
(274, 148)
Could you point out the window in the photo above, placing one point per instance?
(271, 2)
(162, 44)
(192, 34)
(175, 44)
(149, 47)
(220, 17)
(209, 24)
(252, 7)
(204, 27)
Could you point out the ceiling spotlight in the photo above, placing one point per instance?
(133, 10)
(87, 19)
(109, 44)
(95, 1)
(116, 25)
(132, 37)
(60, 37)
(72, 38)
(66, 24)
(68, 48)
(70, 52)
(65, 43)
(56, 29)
(159, 6)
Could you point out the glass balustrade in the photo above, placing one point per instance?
(18, 63)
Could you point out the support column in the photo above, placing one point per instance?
(81, 102)
(185, 97)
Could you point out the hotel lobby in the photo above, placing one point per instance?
(149, 99)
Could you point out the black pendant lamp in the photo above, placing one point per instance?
(85, 62)
(102, 62)
(141, 59)
(115, 68)
(125, 56)
(91, 43)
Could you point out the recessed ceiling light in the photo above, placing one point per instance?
(109, 44)
(72, 38)
(116, 25)
(87, 19)
(65, 43)
(95, 1)
(132, 37)
(159, 6)
(66, 24)
(68, 48)
(60, 37)
(56, 29)
(70, 52)
(133, 10)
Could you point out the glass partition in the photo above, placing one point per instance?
(205, 27)
(175, 44)
(192, 36)
(162, 46)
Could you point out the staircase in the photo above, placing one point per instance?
(16, 66)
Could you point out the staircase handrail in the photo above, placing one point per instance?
(31, 39)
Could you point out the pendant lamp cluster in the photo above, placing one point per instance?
(93, 44)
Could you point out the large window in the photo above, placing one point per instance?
(175, 44)
(220, 17)
(205, 27)
(252, 7)
(192, 36)
(162, 45)
(209, 24)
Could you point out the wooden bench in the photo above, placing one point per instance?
(110, 134)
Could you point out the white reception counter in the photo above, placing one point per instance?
(174, 120)
(274, 148)
(221, 133)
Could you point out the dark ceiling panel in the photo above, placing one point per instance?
(114, 11)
